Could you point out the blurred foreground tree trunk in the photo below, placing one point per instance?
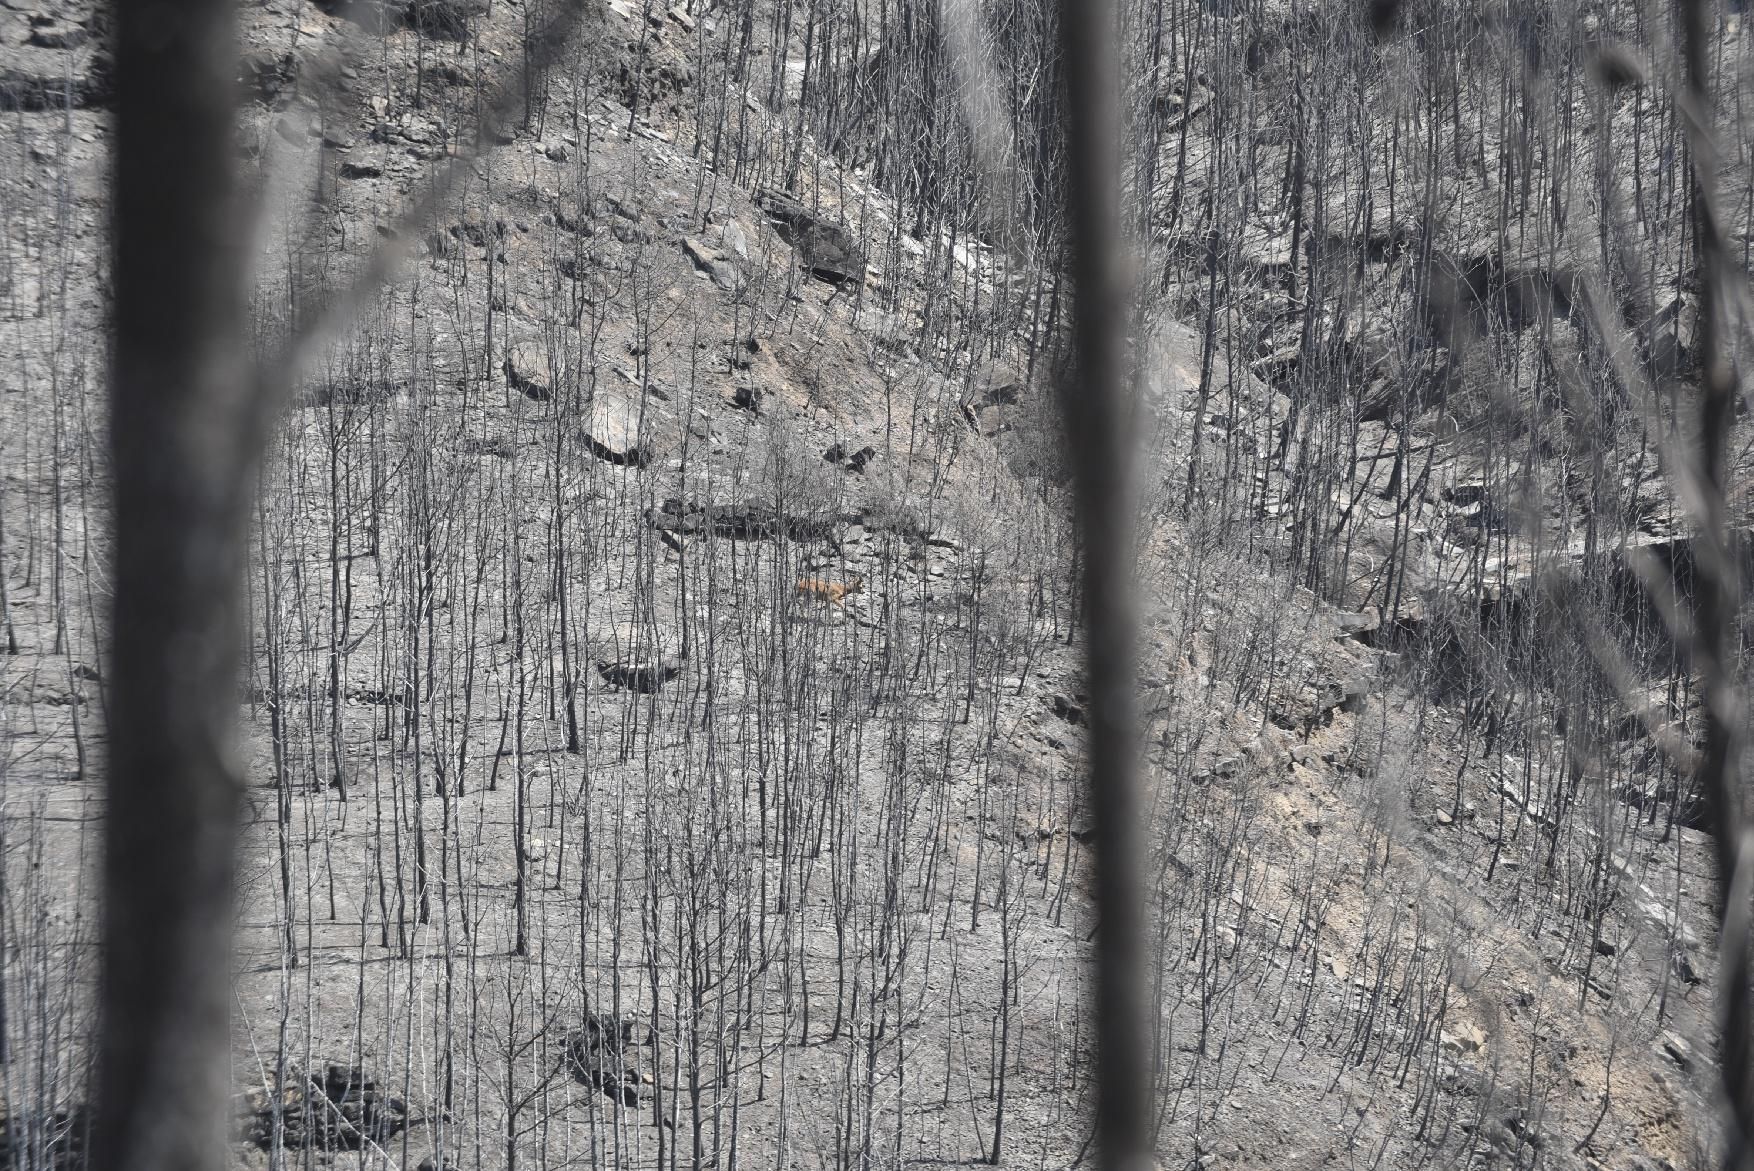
(181, 403)
(1717, 599)
(1099, 432)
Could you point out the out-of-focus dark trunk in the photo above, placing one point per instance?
(180, 393)
(1098, 439)
(1718, 597)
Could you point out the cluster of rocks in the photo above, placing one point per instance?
(851, 461)
(445, 20)
(341, 1109)
(353, 695)
(606, 1054)
(643, 677)
(743, 522)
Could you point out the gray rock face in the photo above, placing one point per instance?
(653, 78)
(736, 242)
(723, 273)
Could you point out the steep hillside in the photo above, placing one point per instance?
(665, 727)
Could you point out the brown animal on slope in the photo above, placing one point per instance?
(829, 591)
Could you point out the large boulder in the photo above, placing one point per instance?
(824, 247)
(618, 426)
(527, 372)
(1673, 337)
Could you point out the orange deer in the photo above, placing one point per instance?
(829, 591)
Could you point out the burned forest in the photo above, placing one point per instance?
(806, 584)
